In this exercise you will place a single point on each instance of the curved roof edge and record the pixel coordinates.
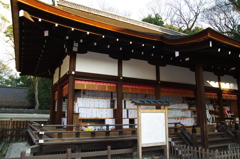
(118, 17)
(207, 33)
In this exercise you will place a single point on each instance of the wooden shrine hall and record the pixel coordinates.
(86, 51)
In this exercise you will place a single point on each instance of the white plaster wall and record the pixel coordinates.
(139, 69)
(210, 80)
(65, 65)
(229, 81)
(176, 74)
(96, 63)
(56, 75)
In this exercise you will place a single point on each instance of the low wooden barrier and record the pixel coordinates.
(107, 153)
(14, 134)
(14, 130)
(187, 152)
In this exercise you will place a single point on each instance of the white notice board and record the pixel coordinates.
(153, 129)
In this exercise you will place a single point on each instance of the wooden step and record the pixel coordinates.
(216, 133)
(217, 139)
(213, 133)
(218, 145)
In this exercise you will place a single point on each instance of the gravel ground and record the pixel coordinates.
(15, 149)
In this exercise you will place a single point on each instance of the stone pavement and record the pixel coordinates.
(15, 149)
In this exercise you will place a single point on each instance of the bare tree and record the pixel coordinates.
(35, 81)
(184, 14)
(224, 17)
(160, 7)
(3, 17)
(187, 13)
(106, 7)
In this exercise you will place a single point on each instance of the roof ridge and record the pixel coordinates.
(118, 17)
(13, 87)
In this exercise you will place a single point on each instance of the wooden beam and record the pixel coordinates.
(58, 119)
(238, 95)
(16, 33)
(201, 105)
(71, 90)
(188, 47)
(157, 87)
(220, 100)
(119, 96)
(52, 106)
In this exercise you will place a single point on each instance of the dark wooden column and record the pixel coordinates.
(58, 119)
(157, 87)
(238, 95)
(119, 95)
(220, 100)
(201, 104)
(52, 108)
(71, 90)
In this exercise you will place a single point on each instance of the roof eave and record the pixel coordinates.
(15, 23)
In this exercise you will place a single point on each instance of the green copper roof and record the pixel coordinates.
(151, 102)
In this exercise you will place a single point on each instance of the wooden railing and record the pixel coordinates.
(52, 134)
(184, 134)
(230, 128)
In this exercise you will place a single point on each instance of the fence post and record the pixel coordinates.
(2, 135)
(175, 128)
(77, 134)
(134, 154)
(216, 155)
(237, 134)
(23, 154)
(78, 150)
(109, 152)
(69, 153)
(107, 130)
(194, 136)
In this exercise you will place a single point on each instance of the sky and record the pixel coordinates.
(134, 7)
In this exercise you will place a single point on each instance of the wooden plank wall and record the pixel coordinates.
(14, 130)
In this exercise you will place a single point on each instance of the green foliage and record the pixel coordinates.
(235, 3)
(6, 75)
(171, 27)
(44, 93)
(4, 5)
(9, 79)
(3, 19)
(193, 31)
(156, 19)
(9, 33)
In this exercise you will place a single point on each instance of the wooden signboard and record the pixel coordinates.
(152, 129)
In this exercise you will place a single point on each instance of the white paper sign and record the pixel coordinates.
(153, 128)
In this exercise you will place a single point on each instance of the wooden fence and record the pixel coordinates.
(187, 152)
(14, 130)
(69, 155)
(14, 134)
(176, 152)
